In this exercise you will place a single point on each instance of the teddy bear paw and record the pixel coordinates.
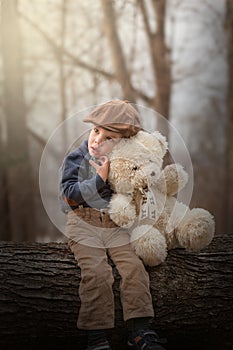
(121, 210)
(196, 231)
(149, 244)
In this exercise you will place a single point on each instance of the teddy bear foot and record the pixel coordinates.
(121, 210)
(149, 244)
(196, 230)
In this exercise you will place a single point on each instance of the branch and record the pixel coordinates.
(142, 6)
(58, 50)
(42, 141)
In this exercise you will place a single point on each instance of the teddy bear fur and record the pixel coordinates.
(144, 200)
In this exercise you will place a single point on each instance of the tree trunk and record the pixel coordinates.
(39, 303)
(119, 62)
(229, 168)
(160, 59)
(16, 168)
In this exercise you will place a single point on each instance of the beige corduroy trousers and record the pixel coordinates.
(93, 238)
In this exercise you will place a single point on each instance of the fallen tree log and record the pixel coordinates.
(39, 302)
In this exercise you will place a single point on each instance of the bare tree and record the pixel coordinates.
(158, 49)
(229, 159)
(159, 53)
(95, 63)
(62, 72)
(160, 57)
(16, 178)
(118, 59)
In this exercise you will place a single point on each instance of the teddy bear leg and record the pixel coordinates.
(149, 244)
(196, 230)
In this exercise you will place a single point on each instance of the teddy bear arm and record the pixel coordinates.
(173, 178)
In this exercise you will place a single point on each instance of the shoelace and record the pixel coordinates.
(146, 338)
(100, 346)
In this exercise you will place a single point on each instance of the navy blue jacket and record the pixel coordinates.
(80, 184)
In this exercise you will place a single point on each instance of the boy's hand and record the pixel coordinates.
(101, 166)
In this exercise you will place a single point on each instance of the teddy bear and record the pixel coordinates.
(144, 200)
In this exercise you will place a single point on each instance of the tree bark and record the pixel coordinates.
(39, 302)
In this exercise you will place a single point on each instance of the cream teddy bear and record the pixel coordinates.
(144, 202)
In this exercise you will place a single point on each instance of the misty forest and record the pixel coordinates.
(172, 59)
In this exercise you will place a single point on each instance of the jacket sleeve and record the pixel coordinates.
(75, 185)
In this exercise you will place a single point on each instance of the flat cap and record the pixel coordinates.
(117, 116)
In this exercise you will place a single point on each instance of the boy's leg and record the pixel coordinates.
(135, 286)
(136, 299)
(95, 290)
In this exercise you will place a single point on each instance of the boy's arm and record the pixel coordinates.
(74, 182)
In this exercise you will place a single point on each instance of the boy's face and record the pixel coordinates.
(102, 141)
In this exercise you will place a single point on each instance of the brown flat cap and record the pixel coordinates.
(118, 116)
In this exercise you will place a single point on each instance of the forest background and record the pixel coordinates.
(60, 57)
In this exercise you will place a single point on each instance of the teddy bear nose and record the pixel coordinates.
(152, 173)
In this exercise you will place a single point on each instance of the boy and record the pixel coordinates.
(93, 237)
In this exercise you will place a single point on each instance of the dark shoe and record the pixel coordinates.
(101, 346)
(145, 340)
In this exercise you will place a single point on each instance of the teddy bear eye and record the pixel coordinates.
(134, 167)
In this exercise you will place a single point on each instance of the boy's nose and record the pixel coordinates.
(98, 140)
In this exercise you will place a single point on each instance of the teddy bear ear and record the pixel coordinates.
(155, 142)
